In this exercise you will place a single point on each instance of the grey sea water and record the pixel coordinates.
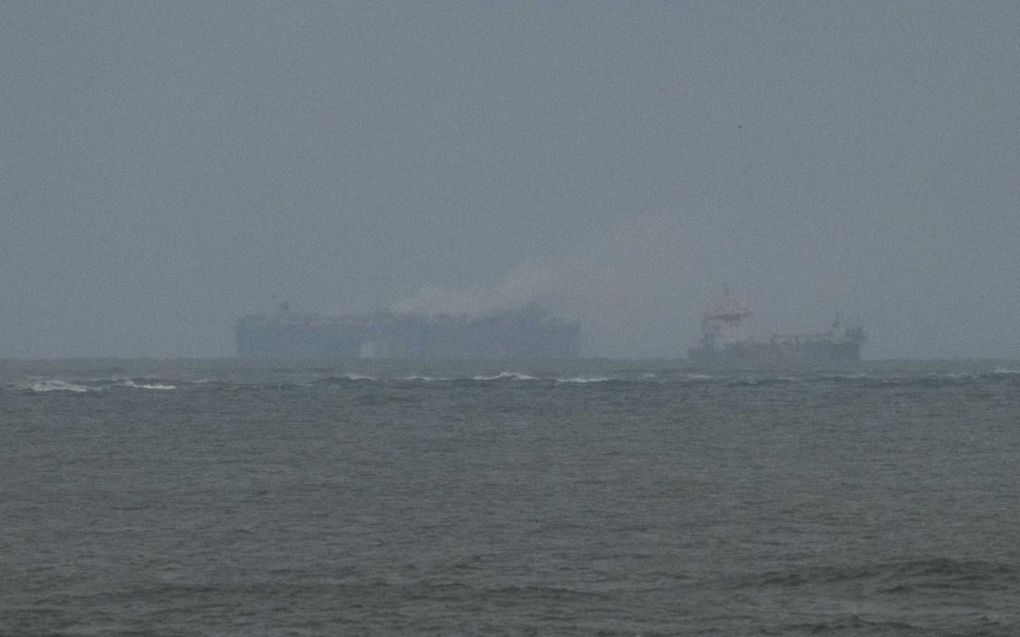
(192, 498)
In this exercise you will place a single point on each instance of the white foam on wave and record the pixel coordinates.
(505, 376)
(584, 379)
(348, 377)
(1002, 371)
(426, 379)
(133, 385)
(53, 384)
(952, 376)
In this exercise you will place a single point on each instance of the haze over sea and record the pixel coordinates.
(588, 497)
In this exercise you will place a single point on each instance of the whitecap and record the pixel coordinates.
(854, 376)
(582, 379)
(1002, 371)
(132, 384)
(951, 375)
(53, 384)
(505, 376)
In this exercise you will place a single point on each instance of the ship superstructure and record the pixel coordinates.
(726, 323)
(527, 332)
(726, 337)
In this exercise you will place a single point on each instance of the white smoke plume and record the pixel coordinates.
(626, 287)
(543, 284)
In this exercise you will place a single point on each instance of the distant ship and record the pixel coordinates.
(527, 332)
(726, 338)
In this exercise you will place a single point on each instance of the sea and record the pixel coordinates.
(584, 497)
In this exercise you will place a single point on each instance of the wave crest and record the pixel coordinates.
(505, 376)
(53, 384)
(162, 386)
(582, 380)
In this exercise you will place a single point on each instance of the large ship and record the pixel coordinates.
(726, 338)
(527, 332)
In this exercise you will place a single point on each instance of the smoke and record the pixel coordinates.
(537, 283)
(625, 286)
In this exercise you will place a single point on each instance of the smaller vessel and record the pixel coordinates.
(726, 338)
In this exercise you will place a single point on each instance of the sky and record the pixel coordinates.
(167, 167)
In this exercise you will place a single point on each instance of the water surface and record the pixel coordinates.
(589, 497)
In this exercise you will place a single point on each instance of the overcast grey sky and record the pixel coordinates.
(166, 167)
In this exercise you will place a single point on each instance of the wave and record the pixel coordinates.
(208, 382)
(876, 378)
(581, 380)
(53, 384)
(505, 376)
(849, 622)
(345, 378)
(43, 385)
(133, 385)
(855, 376)
(897, 575)
(1002, 371)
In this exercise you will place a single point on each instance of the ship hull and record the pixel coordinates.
(525, 333)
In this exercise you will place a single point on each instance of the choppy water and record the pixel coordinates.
(586, 498)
